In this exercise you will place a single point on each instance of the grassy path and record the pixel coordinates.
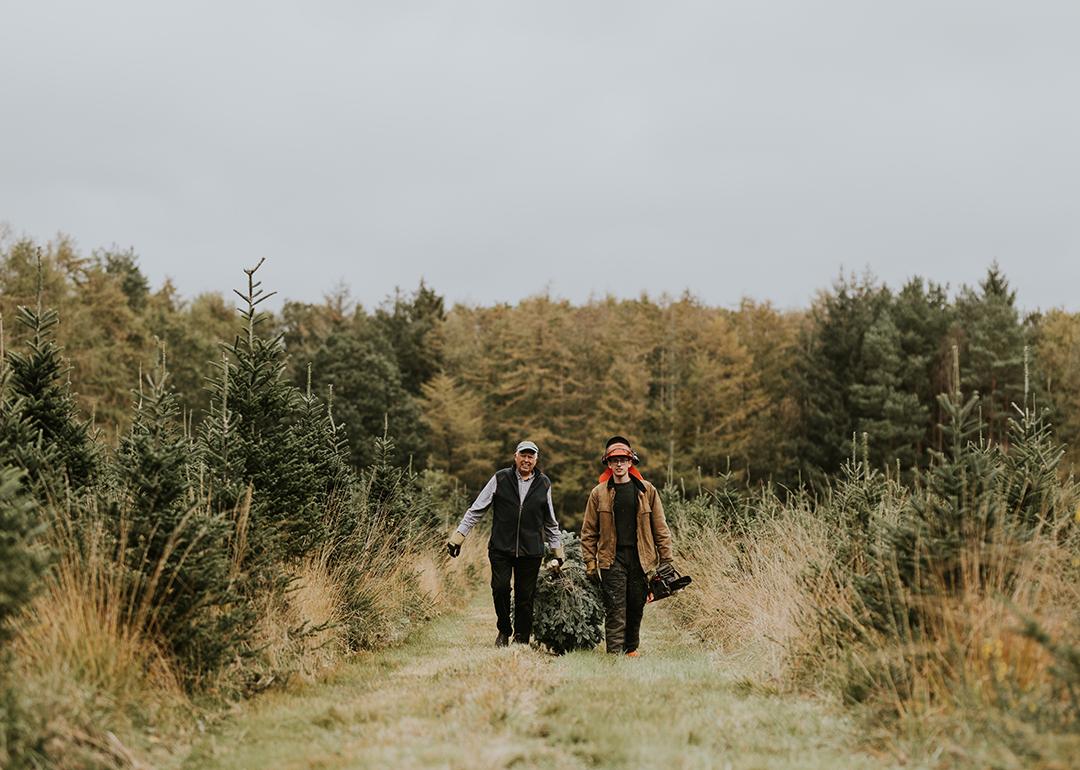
(449, 699)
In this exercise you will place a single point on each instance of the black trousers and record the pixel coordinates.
(524, 570)
(624, 590)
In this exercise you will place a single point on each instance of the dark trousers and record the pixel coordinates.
(524, 570)
(624, 591)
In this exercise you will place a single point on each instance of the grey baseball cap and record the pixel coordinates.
(527, 445)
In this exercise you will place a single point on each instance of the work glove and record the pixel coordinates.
(594, 577)
(453, 545)
(558, 556)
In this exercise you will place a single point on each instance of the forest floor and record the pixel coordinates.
(449, 698)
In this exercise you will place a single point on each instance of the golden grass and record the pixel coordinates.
(749, 597)
(89, 678)
(968, 686)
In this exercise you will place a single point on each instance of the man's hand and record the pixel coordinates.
(453, 545)
(593, 576)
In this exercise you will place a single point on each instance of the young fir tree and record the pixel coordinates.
(176, 548)
(956, 505)
(568, 613)
(249, 444)
(324, 448)
(1030, 467)
(64, 454)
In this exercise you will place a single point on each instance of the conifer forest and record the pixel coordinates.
(208, 502)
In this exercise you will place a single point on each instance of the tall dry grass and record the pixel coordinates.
(970, 683)
(750, 597)
(97, 689)
(89, 679)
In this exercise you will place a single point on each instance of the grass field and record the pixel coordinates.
(450, 699)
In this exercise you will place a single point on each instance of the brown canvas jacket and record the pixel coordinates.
(598, 529)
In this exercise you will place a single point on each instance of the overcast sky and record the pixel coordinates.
(498, 149)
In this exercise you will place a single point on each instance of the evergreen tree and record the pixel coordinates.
(66, 455)
(923, 316)
(368, 394)
(176, 549)
(830, 361)
(413, 326)
(1030, 467)
(324, 448)
(249, 443)
(992, 347)
(125, 267)
(956, 506)
(21, 561)
(893, 418)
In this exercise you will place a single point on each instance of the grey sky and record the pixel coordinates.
(500, 148)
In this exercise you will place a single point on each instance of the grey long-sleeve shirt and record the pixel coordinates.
(483, 501)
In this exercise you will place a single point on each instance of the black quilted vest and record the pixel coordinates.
(517, 526)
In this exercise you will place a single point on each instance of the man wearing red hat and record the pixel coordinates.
(624, 538)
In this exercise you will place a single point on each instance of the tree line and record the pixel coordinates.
(758, 393)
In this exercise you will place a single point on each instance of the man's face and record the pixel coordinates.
(620, 468)
(526, 461)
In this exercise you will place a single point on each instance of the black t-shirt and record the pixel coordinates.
(626, 504)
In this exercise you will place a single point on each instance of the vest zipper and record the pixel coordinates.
(517, 541)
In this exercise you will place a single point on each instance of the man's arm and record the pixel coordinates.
(661, 533)
(475, 512)
(590, 533)
(551, 526)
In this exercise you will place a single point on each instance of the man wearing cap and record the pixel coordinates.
(624, 538)
(523, 519)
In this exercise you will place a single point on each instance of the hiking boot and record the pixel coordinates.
(632, 654)
(502, 640)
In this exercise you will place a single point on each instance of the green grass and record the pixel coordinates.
(450, 699)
